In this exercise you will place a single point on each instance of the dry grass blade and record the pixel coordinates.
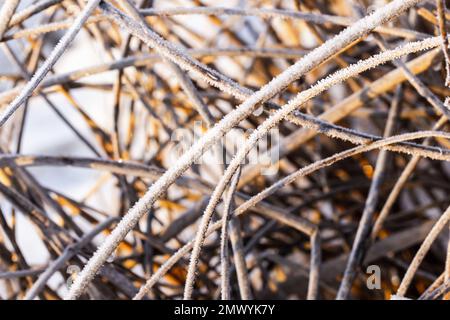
(202, 150)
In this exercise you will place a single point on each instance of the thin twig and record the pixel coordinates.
(51, 60)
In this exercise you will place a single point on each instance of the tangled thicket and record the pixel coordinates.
(354, 91)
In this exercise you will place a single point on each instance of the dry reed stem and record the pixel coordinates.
(144, 204)
(308, 71)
